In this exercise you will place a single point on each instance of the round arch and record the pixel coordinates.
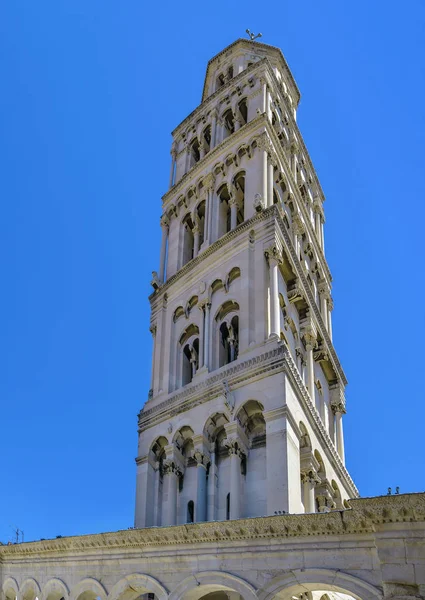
(88, 589)
(298, 581)
(200, 584)
(54, 590)
(10, 588)
(132, 586)
(30, 589)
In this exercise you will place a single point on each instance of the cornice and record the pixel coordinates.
(366, 516)
(193, 394)
(223, 241)
(212, 155)
(252, 44)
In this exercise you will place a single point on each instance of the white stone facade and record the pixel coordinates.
(244, 417)
(242, 492)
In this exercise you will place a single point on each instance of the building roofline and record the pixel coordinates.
(253, 45)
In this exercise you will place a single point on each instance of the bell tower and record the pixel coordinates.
(244, 415)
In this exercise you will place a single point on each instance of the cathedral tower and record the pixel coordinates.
(244, 415)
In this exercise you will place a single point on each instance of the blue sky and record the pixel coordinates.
(90, 91)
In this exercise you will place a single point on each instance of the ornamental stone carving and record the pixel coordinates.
(202, 459)
(170, 467)
(296, 292)
(338, 407)
(273, 253)
(258, 203)
(233, 448)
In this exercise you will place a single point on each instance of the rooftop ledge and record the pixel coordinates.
(366, 515)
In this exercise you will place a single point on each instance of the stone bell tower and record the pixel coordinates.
(244, 415)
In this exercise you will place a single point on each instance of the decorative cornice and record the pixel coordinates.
(366, 516)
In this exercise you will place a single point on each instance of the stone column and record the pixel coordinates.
(202, 461)
(310, 479)
(195, 232)
(207, 335)
(233, 212)
(165, 229)
(152, 329)
(211, 487)
(270, 181)
(213, 128)
(324, 296)
(237, 123)
(330, 309)
(310, 344)
(235, 478)
(274, 258)
(338, 410)
(294, 160)
(202, 338)
(144, 493)
(322, 229)
(173, 163)
(172, 473)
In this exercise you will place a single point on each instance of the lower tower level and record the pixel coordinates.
(244, 416)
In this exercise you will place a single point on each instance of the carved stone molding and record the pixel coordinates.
(201, 458)
(171, 467)
(338, 407)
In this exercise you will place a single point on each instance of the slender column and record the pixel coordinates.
(195, 232)
(323, 234)
(310, 479)
(164, 239)
(202, 461)
(173, 163)
(264, 97)
(233, 212)
(274, 259)
(235, 478)
(207, 335)
(339, 410)
(310, 340)
(237, 123)
(211, 488)
(270, 177)
(152, 329)
(171, 476)
(201, 150)
(202, 340)
(213, 128)
(330, 309)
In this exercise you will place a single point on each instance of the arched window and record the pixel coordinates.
(190, 512)
(228, 507)
(194, 153)
(243, 111)
(227, 339)
(229, 123)
(206, 139)
(188, 239)
(219, 81)
(190, 361)
(239, 191)
(224, 210)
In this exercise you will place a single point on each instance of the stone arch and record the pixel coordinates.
(300, 581)
(30, 589)
(198, 585)
(136, 584)
(10, 588)
(88, 589)
(55, 589)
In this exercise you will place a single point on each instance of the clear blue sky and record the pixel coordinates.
(90, 91)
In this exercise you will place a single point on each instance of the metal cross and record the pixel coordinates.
(253, 36)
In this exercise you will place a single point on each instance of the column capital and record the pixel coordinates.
(310, 338)
(209, 182)
(310, 476)
(338, 407)
(202, 459)
(164, 221)
(233, 448)
(273, 253)
(171, 467)
(263, 142)
(153, 329)
(298, 225)
(296, 292)
(321, 354)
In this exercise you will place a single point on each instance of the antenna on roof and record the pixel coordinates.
(253, 36)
